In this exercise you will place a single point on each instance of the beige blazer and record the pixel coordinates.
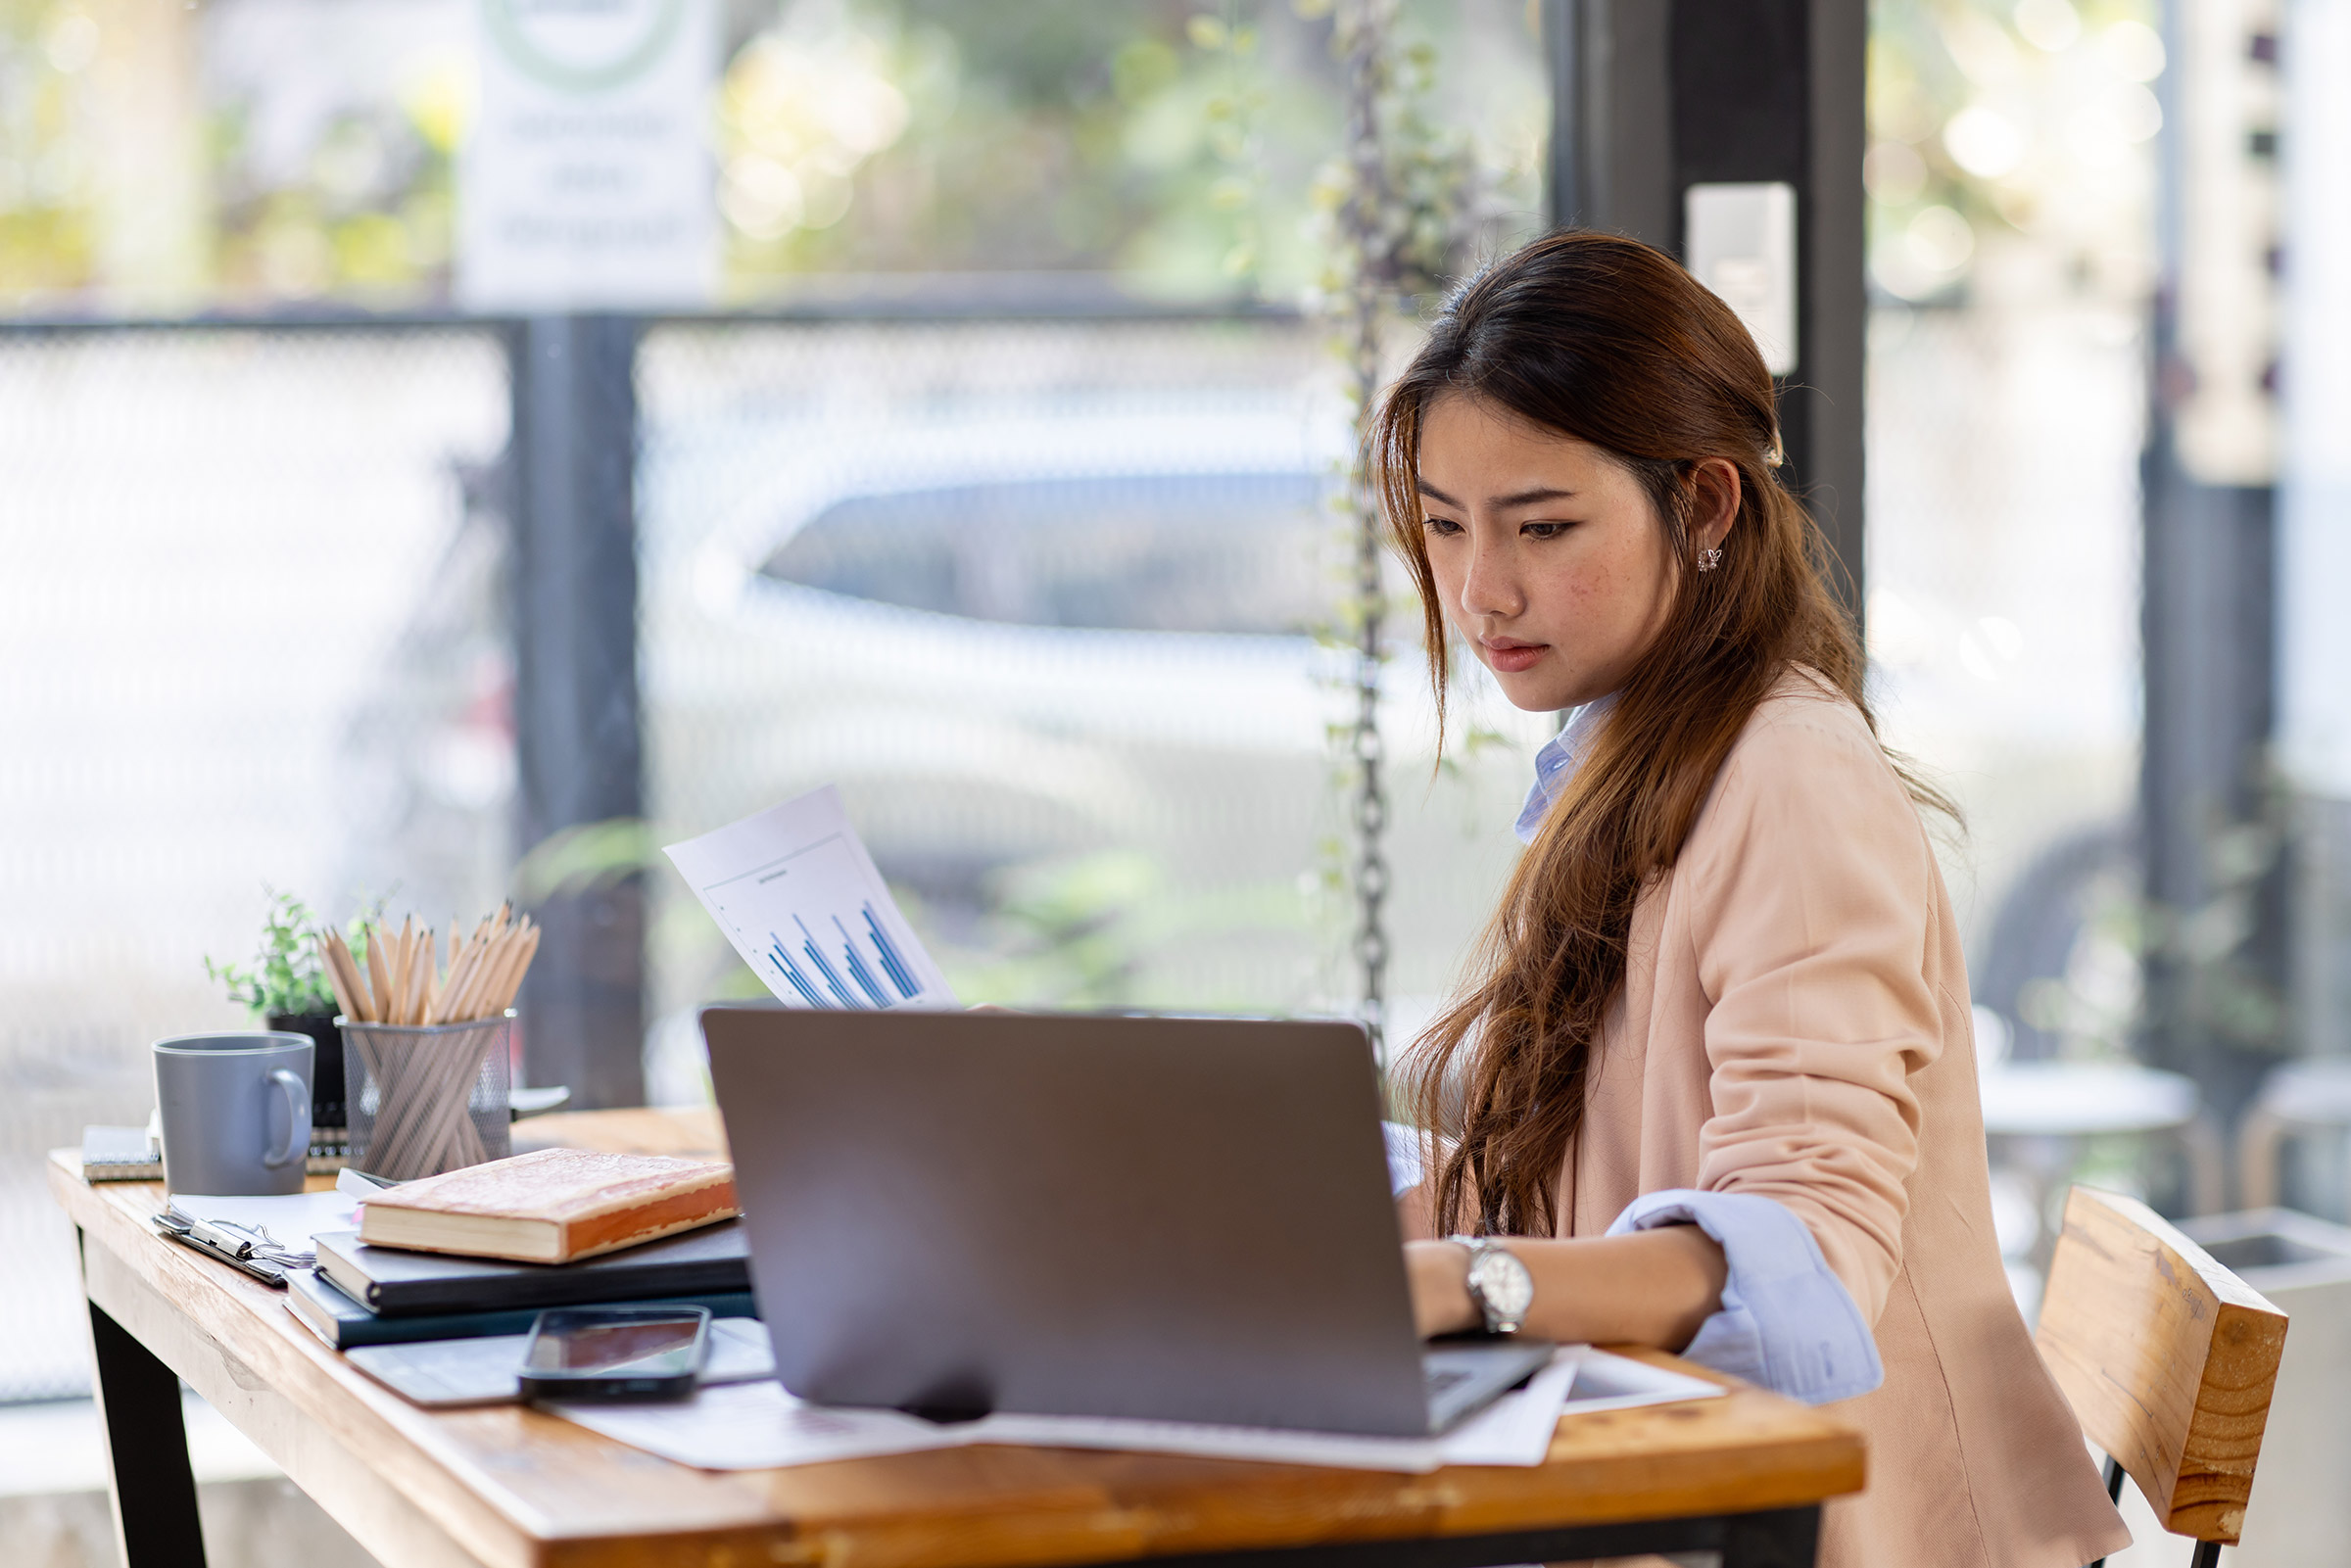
(1794, 1022)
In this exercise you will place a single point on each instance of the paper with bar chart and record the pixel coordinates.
(796, 892)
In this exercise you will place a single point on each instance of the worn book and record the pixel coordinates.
(554, 1205)
(393, 1282)
(345, 1324)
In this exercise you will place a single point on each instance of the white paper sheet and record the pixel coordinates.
(797, 893)
(1605, 1382)
(441, 1374)
(1516, 1428)
(757, 1426)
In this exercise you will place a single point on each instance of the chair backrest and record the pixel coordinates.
(2168, 1358)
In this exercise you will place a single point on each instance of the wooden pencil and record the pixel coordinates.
(422, 1083)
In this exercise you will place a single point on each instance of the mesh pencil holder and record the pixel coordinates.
(427, 1098)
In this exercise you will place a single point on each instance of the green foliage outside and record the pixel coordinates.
(1174, 146)
(1078, 931)
(48, 230)
(131, 176)
(1177, 146)
(372, 221)
(1994, 119)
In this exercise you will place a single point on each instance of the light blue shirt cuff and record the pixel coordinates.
(1403, 1157)
(1786, 1322)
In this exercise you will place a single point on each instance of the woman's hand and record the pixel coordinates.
(1439, 1271)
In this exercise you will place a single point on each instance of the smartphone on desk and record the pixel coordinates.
(615, 1353)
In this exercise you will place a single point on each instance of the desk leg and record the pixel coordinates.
(1788, 1537)
(147, 1450)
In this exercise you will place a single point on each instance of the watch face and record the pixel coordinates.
(1505, 1283)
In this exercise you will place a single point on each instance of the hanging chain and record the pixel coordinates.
(1366, 743)
(1370, 799)
(1364, 38)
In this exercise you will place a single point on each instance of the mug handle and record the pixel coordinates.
(298, 1118)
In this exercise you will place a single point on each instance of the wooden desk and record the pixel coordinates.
(510, 1488)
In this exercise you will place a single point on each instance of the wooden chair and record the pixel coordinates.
(2168, 1358)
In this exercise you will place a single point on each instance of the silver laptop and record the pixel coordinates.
(1165, 1218)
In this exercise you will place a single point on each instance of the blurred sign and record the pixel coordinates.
(1740, 242)
(588, 182)
(2226, 93)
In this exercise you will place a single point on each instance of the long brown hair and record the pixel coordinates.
(1609, 342)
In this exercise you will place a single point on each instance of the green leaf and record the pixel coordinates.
(1207, 32)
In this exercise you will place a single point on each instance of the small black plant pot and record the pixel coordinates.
(327, 1069)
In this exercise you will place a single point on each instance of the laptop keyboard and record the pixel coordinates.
(1441, 1378)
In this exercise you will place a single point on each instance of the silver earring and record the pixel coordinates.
(1708, 559)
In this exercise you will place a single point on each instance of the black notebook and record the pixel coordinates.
(393, 1282)
(344, 1324)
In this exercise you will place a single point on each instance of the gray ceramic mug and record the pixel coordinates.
(236, 1111)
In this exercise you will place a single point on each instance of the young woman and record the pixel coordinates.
(1711, 1085)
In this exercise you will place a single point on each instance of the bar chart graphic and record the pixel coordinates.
(819, 982)
(796, 892)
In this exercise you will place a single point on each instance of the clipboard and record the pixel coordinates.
(188, 1235)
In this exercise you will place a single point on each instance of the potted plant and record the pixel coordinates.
(288, 989)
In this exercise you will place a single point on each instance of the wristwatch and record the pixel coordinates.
(1499, 1283)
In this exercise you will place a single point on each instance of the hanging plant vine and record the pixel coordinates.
(1398, 207)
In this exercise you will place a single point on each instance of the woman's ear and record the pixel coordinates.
(1714, 484)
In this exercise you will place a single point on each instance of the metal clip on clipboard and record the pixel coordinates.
(227, 1245)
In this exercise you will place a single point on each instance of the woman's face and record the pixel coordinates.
(1550, 558)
